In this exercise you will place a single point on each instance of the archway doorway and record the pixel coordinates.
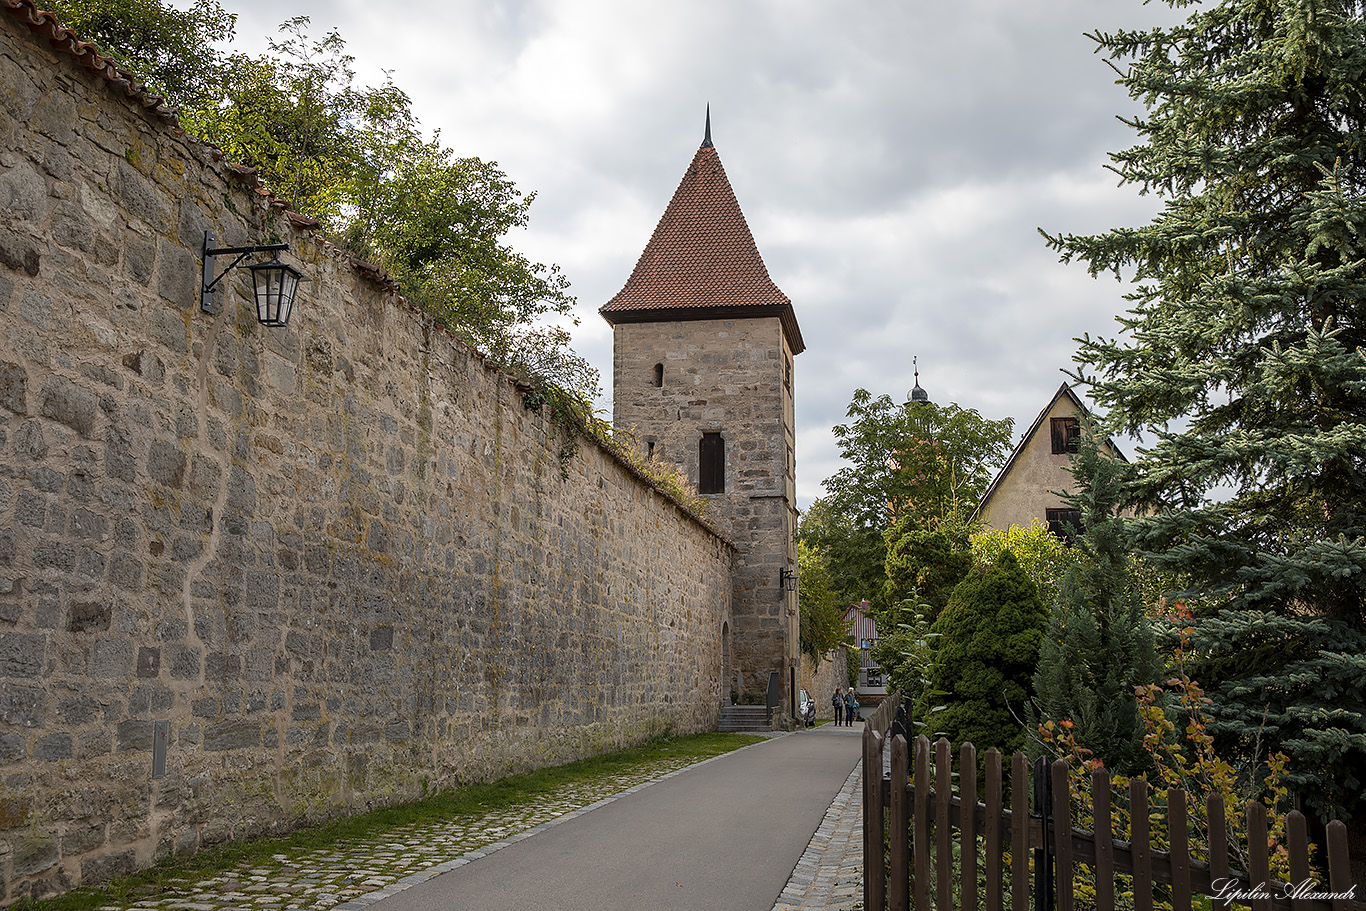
(727, 684)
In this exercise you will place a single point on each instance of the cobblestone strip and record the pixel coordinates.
(829, 875)
(356, 874)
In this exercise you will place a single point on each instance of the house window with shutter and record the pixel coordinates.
(1066, 434)
(711, 464)
(1065, 523)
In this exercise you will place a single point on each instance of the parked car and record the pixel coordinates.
(806, 707)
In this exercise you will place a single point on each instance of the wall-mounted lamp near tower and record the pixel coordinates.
(787, 579)
(275, 282)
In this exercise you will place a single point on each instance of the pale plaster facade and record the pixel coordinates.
(1034, 477)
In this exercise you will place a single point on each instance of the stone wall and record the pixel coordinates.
(821, 680)
(341, 560)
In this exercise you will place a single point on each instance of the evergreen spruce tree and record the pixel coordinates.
(987, 648)
(1241, 357)
(1099, 644)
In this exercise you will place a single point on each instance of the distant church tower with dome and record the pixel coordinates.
(703, 348)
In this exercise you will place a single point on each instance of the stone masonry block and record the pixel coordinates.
(166, 464)
(118, 455)
(12, 748)
(136, 193)
(23, 706)
(14, 388)
(78, 710)
(134, 736)
(178, 277)
(34, 850)
(54, 747)
(112, 659)
(186, 662)
(149, 661)
(89, 616)
(23, 192)
(68, 403)
(232, 735)
(21, 654)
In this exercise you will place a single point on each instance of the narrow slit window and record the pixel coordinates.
(711, 464)
(650, 449)
(659, 374)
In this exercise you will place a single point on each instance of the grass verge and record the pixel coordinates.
(465, 801)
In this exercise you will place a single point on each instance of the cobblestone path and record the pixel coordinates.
(356, 873)
(829, 876)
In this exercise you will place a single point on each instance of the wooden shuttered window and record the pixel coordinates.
(1066, 434)
(1065, 523)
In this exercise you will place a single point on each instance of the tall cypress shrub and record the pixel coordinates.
(1100, 642)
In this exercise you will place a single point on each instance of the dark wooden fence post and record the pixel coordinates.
(1019, 832)
(874, 872)
(1043, 854)
(943, 830)
(1045, 835)
(992, 835)
(898, 889)
(921, 812)
(967, 826)
(1060, 806)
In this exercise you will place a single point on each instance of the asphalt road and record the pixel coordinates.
(722, 835)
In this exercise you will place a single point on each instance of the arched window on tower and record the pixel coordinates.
(711, 464)
(659, 374)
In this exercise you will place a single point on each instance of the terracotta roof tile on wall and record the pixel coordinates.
(64, 40)
(701, 262)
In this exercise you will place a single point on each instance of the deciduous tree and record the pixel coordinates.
(822, 629)
(923, 461)
(175, 52)
(353, 156)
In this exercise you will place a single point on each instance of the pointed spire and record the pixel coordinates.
(701, 261)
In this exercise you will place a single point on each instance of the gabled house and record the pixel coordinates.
(863, 629)
(1028, 486)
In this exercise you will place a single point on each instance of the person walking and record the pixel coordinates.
(837, 703)
(850, 706)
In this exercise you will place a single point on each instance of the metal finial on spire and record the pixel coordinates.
(706, 140)
(918, 395)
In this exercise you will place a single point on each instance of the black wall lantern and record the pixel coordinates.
(787, 579)
(275, 282)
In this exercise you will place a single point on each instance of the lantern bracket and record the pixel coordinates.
(208, 282)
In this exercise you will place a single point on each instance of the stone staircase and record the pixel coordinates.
(743, 718)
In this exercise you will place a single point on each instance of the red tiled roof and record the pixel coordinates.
(701, 261)
(64, 41)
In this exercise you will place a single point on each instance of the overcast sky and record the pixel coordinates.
(894, 159)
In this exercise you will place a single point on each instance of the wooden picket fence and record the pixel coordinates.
(921, 822)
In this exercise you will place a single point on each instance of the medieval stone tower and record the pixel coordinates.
(703, 378)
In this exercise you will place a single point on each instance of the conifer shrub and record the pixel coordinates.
(1099, 646)
(988, 638)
